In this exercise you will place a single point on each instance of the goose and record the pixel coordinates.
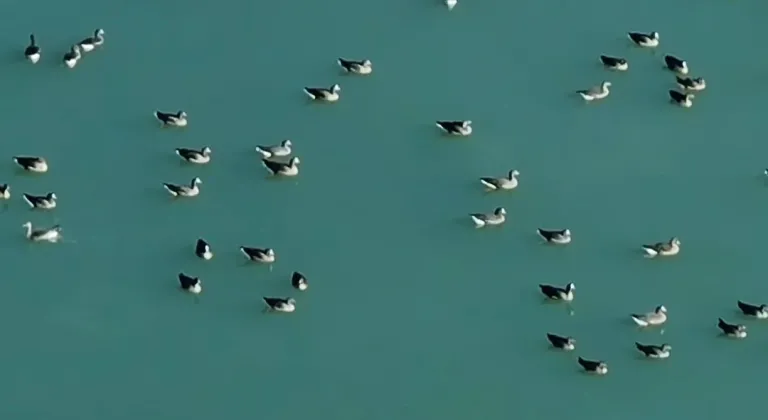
(203, 250)
(757, 311)
(644, 40)
(558, 293)
(694, 84)
(282, 149)
(597, 92)
(324, 94)
(285, 169)
(72, 57)
(675, 64)
(657, 317)
(498, 217)
(298, 281)
(509, 182)
(456, 128)
(665, 249)
(560, 237)
(42, 202)
(183, 190)
(88, 44)
(32, 52)
(195, 156)
(685, 100)
(262, 255)
(280, 304)
(614, 63)
(32, 163)
(562, 343)
(451, 4)
(594, 366)
(190, 284)
(52, 234)
(5, 191)
(357, 67)
(732, 330)
(178, 119)
(654, 351)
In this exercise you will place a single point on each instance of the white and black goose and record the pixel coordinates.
(675, 64)
(560, 237)
(203, 250)
(190, 284)
(595, 93)
(277, 150)
(650, 40)
(324, 94)
(177, 119)
(52, 234)
(757, 311)
(195, 156)
(88, 44)
(191, 190)
(32, 52)
(654, 351)
(41, 202)
(291, 168)
(597, 367)
(456, 128)
(498, 217)
(685, 100)
(558, 293)
(732, 330)
(614, 63)
(560, 342)
(299, 281)
(32, 163)
(361, 67)
(509, 182)
(691, 84)
(657, 317)
(280, 304)
(72, 57)
(262, 255)
(5, 192)
(664, 249)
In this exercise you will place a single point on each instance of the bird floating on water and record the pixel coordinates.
(664, 249)
(560, 342)
(757, 311)
(5, 191)
(650, 40)
(190, 284)
(52, 234)
(42, 202)
(456, 128)
(88, 44)
(595, 93)
(558, 293)
(195, 156)
(282, 149)
(32, 52)
(694, 84)
(299, 281)
(509, 182)
(657, 317)
(32, 163)
(653, 351)
(178, 119)
(560, 237)
(361, 67)
(323, 94)
(280, 304)
(262, 255)
(72, 57)
(203, 250)
(190, 190)
(675, 64)
(685, 100)
(597, 367)
(732, 330)
(280, 168)
(498, 217)
(614, 63)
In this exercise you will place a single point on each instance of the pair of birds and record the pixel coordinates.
(649, 350)
(276, 167)
(331, 94)
(740, 330)
(499, 216)
(29, 164)
(279, 304)
(261, 255)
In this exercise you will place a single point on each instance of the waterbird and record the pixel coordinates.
(72, 57)
(451, 4)
(190, 190)
(323, 94)
(596, 92)
(675, 64)
(190, 284)
(282, 149)
(32, 52)
(560, 237)
(597, 367)
(203, 250)
(614, 63)
(757, 311)
(650, 40)
(560, 342)
(361, 67)
(177, 119)
(456, 128)
(665, 249)
(5, 191)
(32, 163)
(42, 202)
(280, 304)
(299, 281)
(509, 182)
(732, 330)
(693, 84)
(558, 293)
(88, 44)
(498, 217)
(280, 168)
(262, 255)
(195, 156)
(653, 351)
(52, 234)
(657, 317)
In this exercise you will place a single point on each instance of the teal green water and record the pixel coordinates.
(411, 313)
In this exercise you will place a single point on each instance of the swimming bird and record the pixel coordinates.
(42, 202)
(560, 237)
(614, 63)
(594, 366)
(183, 190)
(5, 191)
(72, 57)
(563, 343)
(324, 94)
(32, 163)
(685, 100)
(650, 40)
(657, 317)
(558, 293)
(178, 119)
(190, 284)
(732, 330)
(52, 234)
(203, 250)
(654, 351)
(509, 182)
(298, 281)
(262, 255)
(282, 149)
(688, 83)
(675, 64)
(32, 52)
(597, 92)
(498, 217)
(757, 311)
(285, 169)
(457, 128)
(195, 156)
(357, 67)
(451, 4)
(280, 304)
(665, 249)
(88, 44)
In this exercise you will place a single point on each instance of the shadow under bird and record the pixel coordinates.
(559, 237)
(195, 156)
(685, 100)
(203, 250)
(649, 40)
(614, 63)
(598, 367)
(33, 51)
(558, 293)
(330, 94)
(509, 182)
(32, 163)
(596, 92)
(653, 351)
(52, 234)
(691, 84)
(291, 168)
(757, 311)
(361, 67)
(278, 150)
(88, 44)
(498, 217)
(732, 330)
(176, 119)
(664, 249)
(280, 304)
(190, 284)
(560, 342)
(675, 64)
(455, 128)
(299, 281)
(191, 190)
(657, 317)
(41, 202)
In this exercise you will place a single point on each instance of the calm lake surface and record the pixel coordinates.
(411, 312)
